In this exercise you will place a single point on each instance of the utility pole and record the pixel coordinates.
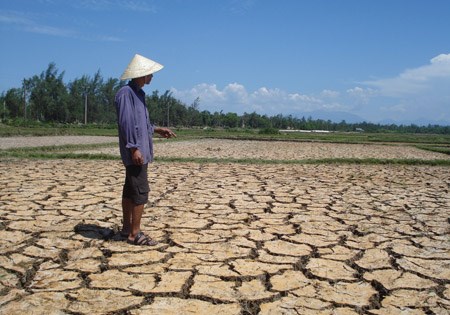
(85, 108)
(24, 83)
(168, 105)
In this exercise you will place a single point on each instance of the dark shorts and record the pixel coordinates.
(136, 185)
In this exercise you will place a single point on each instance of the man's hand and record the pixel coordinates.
(137, 157)
(165, 132)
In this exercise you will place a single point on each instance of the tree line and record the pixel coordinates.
(90, 99)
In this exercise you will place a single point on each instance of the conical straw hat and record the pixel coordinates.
(140, 66)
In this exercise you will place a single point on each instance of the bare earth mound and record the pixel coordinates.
(280, 150)
(20, 142)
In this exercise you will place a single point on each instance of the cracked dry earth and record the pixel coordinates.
(233, 239)
(278, 150)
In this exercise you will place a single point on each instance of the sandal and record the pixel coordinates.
(120, 236)
(142, 240)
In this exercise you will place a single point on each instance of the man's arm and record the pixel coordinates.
(127, 129)
(165, 132)
(126, 120)
(136, 156)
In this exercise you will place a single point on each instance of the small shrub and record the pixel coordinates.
(269, 131)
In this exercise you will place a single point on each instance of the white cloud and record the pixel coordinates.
(49, 30)
(234, 97)
(26, 24)
(102, 5)
(441, 58)
(361, 95)
(21, 22)
(11, 18)
(206, 92)
(420, 93)
(237, 92)
(107, 38)
(414, 81)
(330, 94)
(399, 108)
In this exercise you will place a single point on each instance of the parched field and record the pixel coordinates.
(234, 238)
(279, 150)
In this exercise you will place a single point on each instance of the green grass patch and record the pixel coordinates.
(87, 156)
(58, 156)
(57, 130)
(334, 137)
(59, 152)
(67, 147)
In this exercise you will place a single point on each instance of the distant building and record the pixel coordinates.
(303, 131)
(359, 130)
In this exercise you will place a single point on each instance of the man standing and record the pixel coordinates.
(136, 145)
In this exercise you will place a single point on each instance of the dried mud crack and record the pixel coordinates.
(233, 239)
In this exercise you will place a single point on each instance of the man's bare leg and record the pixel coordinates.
(136, 215)
(127, 208)
(132, 214)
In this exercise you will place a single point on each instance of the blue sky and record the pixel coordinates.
(381, 60)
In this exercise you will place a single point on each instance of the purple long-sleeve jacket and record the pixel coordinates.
(135, 129)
